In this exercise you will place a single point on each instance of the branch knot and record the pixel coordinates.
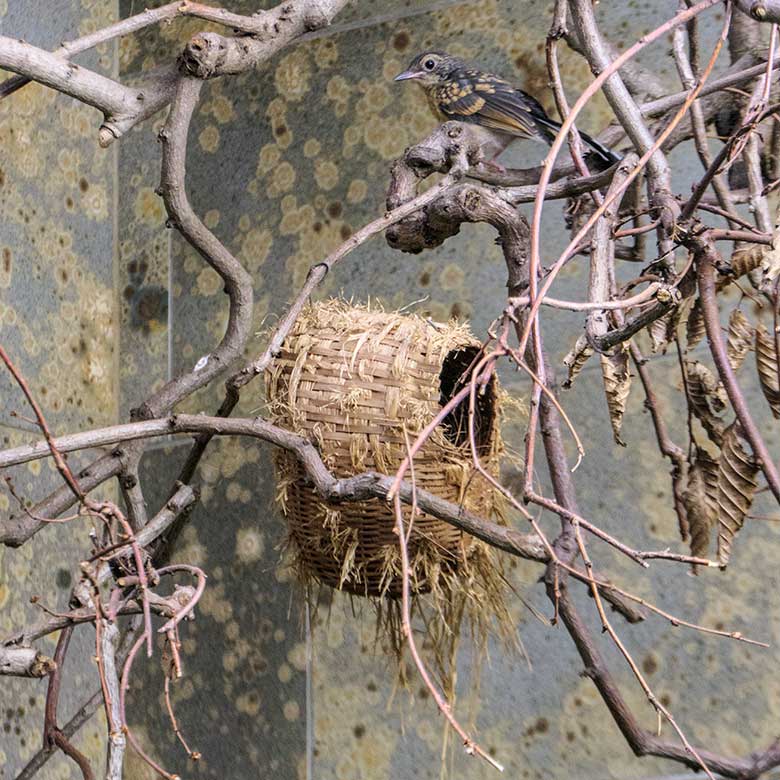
(204, 55)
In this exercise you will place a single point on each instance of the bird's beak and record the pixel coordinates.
(408, 74)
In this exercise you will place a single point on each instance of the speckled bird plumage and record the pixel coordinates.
(458, 91)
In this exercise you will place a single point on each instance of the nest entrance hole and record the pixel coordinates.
(456, 374)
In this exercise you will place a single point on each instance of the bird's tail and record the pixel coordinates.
(601, 152)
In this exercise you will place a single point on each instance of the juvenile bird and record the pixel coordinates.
(459, 91)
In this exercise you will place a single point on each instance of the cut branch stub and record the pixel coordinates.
(737, 485)
(766, 364)
(25, 662)
(204, 55)
(761, 10)
(210, 54)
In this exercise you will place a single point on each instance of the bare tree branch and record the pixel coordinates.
(760, 10)
(24, 662)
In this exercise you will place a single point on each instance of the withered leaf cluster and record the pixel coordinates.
(716, 479)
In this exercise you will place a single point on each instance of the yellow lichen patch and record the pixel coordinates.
(481, 16)
(208, 282)
(337, 91)
(233, 492)
(296, 656)
(255, 248)
(211, 218)
(326, 174)
(357, 191)
(315, 239)
(387, 140)
(149, 207)
(214, 603)
(81, 373)
(280, 127)
(325, 52)
(295, 218)
(375, 98)
(190, 547)
(293, 74)
(77, 120)
(128, 51)
(356, 754)
(268, 159)
(312, 147)
(249, 703)
(70, 164)
(451, 277)
(391, 67)
(284, 672)
(250, 545)
(208, 138)
(95, 202)
(282, 180)
(291, 710)
(19, 129)
(222, 108)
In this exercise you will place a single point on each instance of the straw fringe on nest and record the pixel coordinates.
(361, 383)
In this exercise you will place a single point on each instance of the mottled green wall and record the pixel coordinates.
(284, 163)
(59, 322)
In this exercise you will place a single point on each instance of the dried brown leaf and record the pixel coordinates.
(662, 331)
(576, 359)
(737, 485)
(700, 500)
(617, 385)
(743, 261)
(770, 266)
(707, 398)
(740, 340)
(766, 363)
(694, 327)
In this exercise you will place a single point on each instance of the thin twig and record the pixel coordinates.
(470, 746)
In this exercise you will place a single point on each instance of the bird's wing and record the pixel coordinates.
(492, 102)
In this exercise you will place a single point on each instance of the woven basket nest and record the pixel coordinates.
(356, 380)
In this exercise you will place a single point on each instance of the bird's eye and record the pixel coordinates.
(429, 64)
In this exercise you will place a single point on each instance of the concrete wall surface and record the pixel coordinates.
(100, 303)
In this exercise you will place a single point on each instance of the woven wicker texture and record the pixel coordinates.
(352, 379)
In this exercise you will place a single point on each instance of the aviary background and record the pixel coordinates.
(99, 303)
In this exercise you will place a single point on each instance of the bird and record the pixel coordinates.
(457, 90)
